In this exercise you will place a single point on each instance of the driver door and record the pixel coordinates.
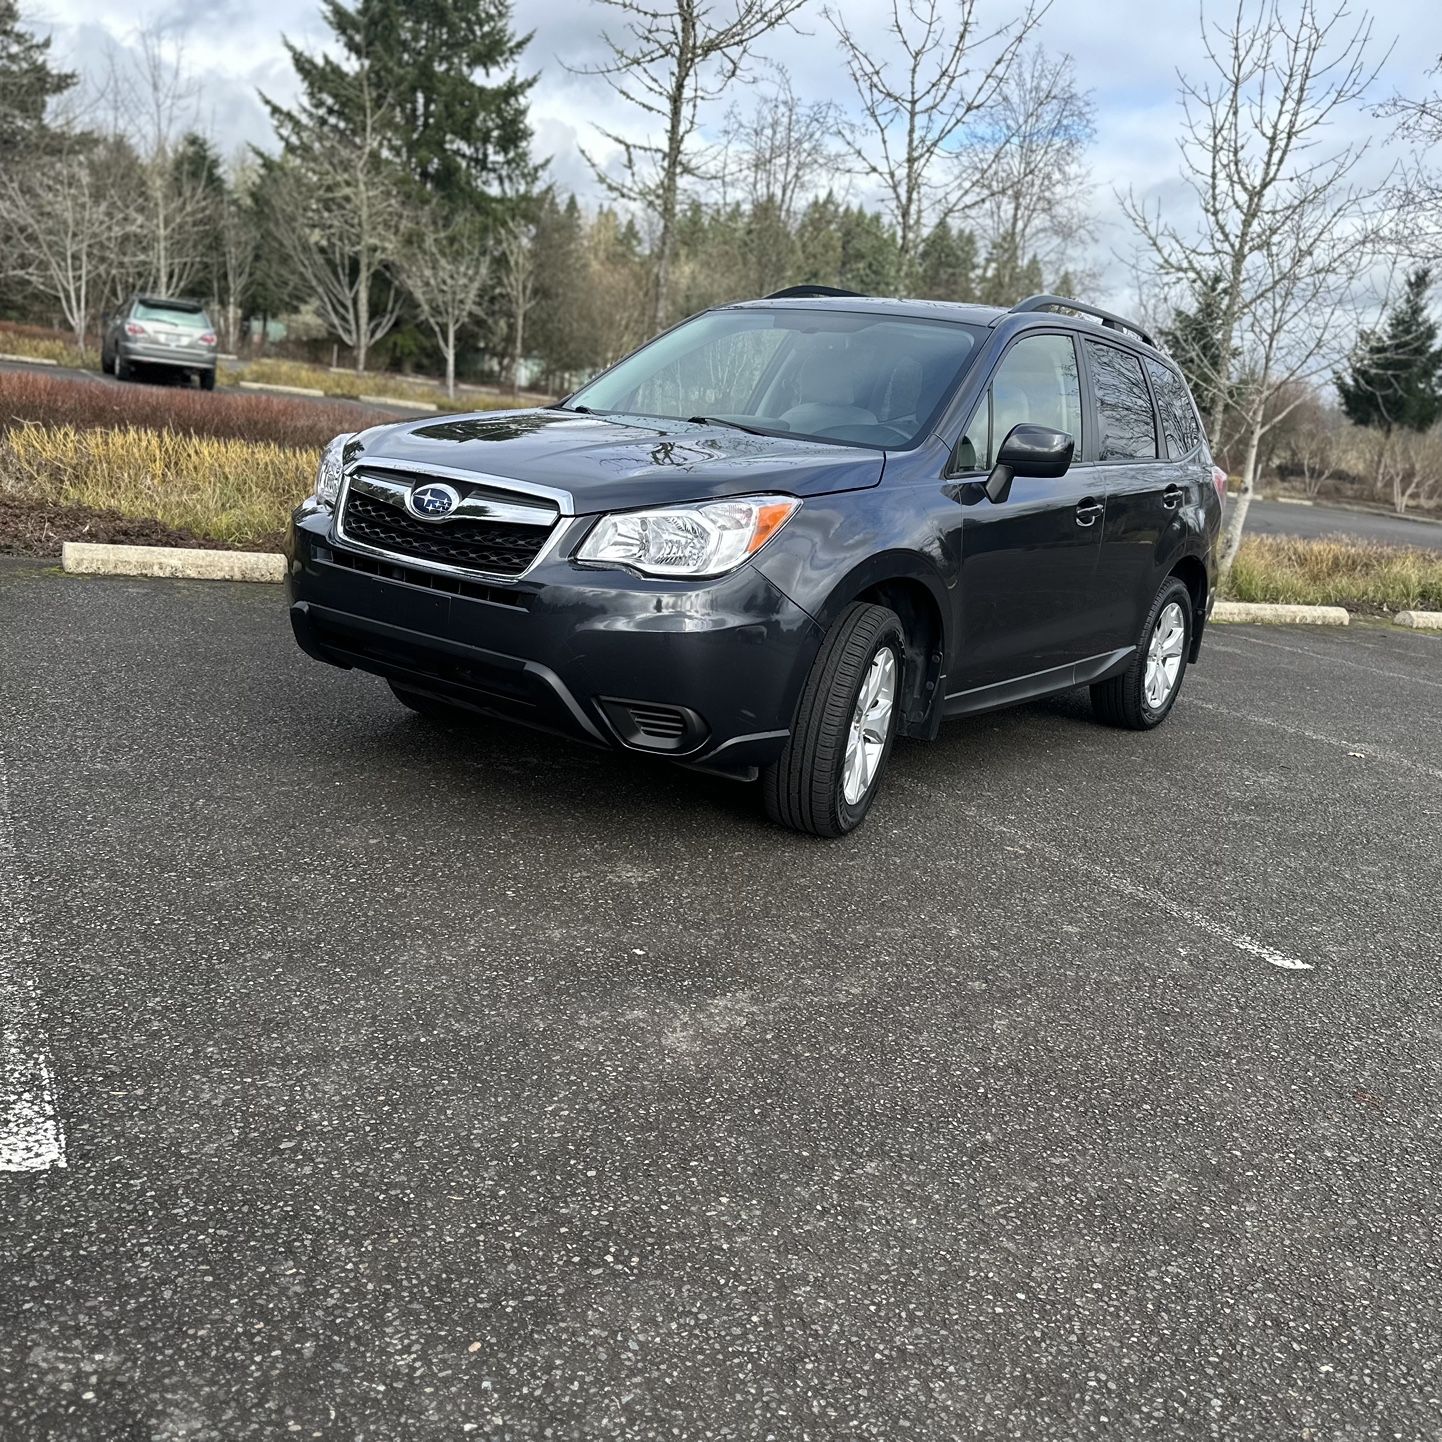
(1028, 590)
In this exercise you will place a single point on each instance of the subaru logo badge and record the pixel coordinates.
(433, 501)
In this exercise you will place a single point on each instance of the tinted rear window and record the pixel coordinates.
(1128, 427)
(1180, 426)
(172, 315)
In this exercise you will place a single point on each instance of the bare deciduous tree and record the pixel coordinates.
(445, 265)
(236, 246)
(1420, 192)
(63, 222)
(338, 212)
(1033, 156)
(518, 279)
(674, 57)
(1284, 231)
(154, 101)
(946, 68)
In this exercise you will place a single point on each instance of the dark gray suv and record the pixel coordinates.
(151, 330)
(782, 535)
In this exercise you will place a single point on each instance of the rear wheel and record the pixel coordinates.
(123, 369)
(1144, 693)
(831, 769)
(107, 363)
(207, 380)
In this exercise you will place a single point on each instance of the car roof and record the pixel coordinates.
(908, 309)
(967, 312)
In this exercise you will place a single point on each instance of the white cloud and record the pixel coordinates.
(1127, 53)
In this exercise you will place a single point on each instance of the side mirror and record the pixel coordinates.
(1029, 451)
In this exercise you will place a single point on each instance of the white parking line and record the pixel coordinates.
(1364, 749)
(1331, 657)
(31, 1138)
(1133, 890)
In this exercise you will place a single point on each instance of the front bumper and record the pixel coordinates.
(706, 672)
(191, 358)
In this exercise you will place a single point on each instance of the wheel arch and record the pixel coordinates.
(1192, 573)
(905, 584)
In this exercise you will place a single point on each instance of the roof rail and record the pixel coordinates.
(1060, 302)
(800, 292)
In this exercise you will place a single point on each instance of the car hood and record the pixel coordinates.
(615, 462)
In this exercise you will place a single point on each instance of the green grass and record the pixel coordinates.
(1363, 576)
(48, 348)
(236, 491)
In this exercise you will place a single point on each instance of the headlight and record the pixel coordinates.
(327, 476)
(701, 540)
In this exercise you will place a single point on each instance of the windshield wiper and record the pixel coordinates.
(723, 421)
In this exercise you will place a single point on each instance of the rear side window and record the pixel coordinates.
(1180, 426)
(1037, 383)
(1128, 427)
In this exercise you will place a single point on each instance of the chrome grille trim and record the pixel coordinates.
(558, 516)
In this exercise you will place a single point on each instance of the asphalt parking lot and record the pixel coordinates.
(422, 1084)
(1289, 518)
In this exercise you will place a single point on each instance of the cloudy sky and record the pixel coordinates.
(1126, 52)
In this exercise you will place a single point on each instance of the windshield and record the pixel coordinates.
(863, 379)
(172, 315)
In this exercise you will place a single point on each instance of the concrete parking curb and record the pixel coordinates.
(1419, 620)
(27, 360)
(281, 390)
(399, 403)
(1276, 614)
(89, 558)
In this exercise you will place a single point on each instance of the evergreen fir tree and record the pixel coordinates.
(947, 264)
(1394, 381)
(1197, 344)
(28, 82)
(444, 74)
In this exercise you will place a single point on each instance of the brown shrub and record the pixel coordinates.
(28, 398)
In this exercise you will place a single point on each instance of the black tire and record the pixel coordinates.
(428, 706)
(804, 789)
(207, 380)
(107, 365)
(1122, 700)
(123, 369)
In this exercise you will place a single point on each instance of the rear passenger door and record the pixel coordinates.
(1141, 495)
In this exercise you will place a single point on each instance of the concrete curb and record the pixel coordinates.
(1419, 620)
(281, 390)
(88, 558)
(397, 402)
(27, 360)
(1276, 614)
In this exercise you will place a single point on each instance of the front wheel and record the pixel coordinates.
(831, 768)
(1144, 693)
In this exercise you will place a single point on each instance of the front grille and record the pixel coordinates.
(475, 545)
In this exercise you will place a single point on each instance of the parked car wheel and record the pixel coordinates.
(830, 771)
(1144, 693)
(107, 362)
(124, 371)
(207, 380)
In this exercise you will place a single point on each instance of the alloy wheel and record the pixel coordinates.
(1164, 656)
(870, 726)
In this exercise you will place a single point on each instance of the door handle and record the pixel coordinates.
(1087, 510)
(1172, 497)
